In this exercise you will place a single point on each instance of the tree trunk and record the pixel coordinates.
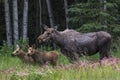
(40, 16)
(37, 17)
(50, 13)
(15, 21)
(7, 20)
(66, 13)
(103, 8)
(51, 18)
(25, 19)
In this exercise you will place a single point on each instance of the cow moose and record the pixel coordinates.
(22, 55)
(74, 44)
(42, 57)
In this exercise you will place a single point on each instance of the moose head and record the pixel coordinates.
(31, 50)
(17, 51)
(46, 35)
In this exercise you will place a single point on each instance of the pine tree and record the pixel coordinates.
(94, 15)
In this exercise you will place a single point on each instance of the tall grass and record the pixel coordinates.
(11, 68)
(98, 73)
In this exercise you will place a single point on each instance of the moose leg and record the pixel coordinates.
(102, 54)
(108, 55)
(76, 56)
(105, 51)
(54, 62)
(65, 53)
(72, 57)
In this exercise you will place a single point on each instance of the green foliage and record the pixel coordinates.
(82, 13)
(92, 27)
(8, 50)
(115, 45)
(91, 15)
(31, 76)
(6, 61)
(1, 1)
(98, 73)
(45, 48)
(23, 43)
(62, 59)
(5, 49)
(13, 69)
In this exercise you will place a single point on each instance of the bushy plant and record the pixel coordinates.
(95, 15)
(5, 49)
(9, 49)
(23, 43)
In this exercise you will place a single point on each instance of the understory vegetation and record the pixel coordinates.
(88, 68)
(81, 15)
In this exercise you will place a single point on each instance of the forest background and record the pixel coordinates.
(21, 23)
(23, 19)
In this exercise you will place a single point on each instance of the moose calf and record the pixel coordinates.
(22, 55)
(42, 58)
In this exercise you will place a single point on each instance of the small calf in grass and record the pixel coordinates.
(22, 55)
(43, 58)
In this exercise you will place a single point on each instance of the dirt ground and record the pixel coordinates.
(113, 62)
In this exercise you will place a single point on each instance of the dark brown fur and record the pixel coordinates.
(74, 44)
(43, 58)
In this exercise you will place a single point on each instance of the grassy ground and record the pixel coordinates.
(11, 68)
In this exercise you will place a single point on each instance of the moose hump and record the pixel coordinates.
(74, 44)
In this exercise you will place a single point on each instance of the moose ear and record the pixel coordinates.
(27, 46)
(17, 46)
(56, 27)
(33, 46)
(45, 27)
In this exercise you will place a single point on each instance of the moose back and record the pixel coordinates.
(74, 44)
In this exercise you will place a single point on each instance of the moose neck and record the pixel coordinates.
(58, 38)
(21, 55)
(35, 56)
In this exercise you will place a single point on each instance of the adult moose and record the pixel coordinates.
(74, 44)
